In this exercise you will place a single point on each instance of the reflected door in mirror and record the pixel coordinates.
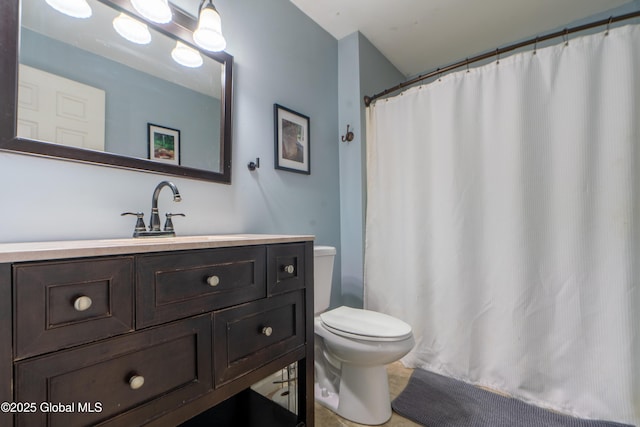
(52, 108)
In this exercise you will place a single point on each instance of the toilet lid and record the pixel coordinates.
(365, 324)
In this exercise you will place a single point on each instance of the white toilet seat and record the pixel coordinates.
(365, 325)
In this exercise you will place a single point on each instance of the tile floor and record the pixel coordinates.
(398, 378)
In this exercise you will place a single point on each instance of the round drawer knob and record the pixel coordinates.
(213, 280)
(267, 331)
(289, 269)
(136, 381)
(82, 303)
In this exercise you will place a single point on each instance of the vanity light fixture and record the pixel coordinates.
(73, 8)
(154, 10)
(132, 29)
(186, 56)
(208, 35)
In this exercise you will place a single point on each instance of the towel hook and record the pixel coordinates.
(253, 165)
(348, 137)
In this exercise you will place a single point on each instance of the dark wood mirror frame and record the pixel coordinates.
(181, 27)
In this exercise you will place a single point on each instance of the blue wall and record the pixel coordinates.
(281, 56)
(351, 178)
(363, 70)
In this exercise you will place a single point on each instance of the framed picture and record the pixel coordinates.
(292, 140)
(164, 144)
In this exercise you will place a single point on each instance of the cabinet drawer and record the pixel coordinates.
(183, 284)
(253, 334)
(51, 302)
(174, 361)
(285, 268)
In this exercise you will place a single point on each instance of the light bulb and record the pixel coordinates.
(132, 29)
(73, 8)
(208, 35)
(187, 56)
(154, 10)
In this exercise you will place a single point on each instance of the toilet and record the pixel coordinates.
(352, 347)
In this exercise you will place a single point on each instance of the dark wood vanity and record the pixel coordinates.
(160, 333)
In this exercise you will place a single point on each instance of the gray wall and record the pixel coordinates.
(281, 56)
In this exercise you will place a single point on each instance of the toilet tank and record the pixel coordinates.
(323, 257)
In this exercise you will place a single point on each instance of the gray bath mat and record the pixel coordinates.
(437, 401)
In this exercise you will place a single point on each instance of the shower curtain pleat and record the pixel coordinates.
(502, 224)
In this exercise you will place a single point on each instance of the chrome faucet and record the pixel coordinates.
(154, 225)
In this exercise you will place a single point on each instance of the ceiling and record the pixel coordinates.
(422, 35)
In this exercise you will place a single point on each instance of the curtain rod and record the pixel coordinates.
(608, 21)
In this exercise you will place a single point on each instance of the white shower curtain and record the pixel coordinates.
(503, 224)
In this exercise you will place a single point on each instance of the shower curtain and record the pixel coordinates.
(503, 223)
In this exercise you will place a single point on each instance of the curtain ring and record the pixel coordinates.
(439, 75)
(467, 62)
(535, 46)
(497, 56)
(606, 33)
(565, 37)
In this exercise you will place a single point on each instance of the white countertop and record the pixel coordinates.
(36, 251)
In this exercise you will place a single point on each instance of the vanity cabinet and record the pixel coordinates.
(48, 303)
(108, 378)
(164, 335)
(255, 333)
(179, 284)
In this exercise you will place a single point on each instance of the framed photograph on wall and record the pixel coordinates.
(164, 144)
(292, 140)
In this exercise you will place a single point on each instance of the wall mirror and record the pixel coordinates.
(83, 90)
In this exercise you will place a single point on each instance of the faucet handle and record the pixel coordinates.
(139, 223)
(168, 225)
